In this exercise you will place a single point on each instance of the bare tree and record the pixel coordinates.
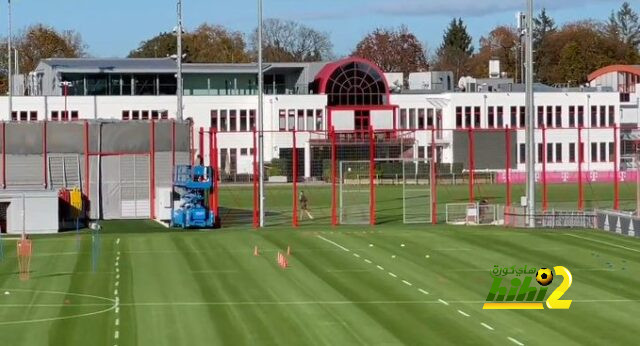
(289, 41)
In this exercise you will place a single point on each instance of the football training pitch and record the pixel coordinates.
(390, 284)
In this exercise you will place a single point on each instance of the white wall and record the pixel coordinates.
(41, 210)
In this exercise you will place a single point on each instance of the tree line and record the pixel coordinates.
(564, 55)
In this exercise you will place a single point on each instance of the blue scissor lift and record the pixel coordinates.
(192, 185)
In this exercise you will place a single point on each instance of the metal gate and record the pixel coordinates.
(134, 187)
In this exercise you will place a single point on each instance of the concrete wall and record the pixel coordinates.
(41, 212)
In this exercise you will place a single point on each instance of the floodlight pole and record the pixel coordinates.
(530, 128)
(179, 90)
(260, 116)
(9, 72)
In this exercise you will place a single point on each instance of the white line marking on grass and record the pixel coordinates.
(117, 321)
(117, 309)
(117, 283)
(443, 302)
(116, 334)
(334, 243)
(356, 255)
(392, 274)
(117, 276)
(463, 313)
(379, 267)
(603, 242)
(486, 326)
(117, 270)
(115, 292)
(366, 260)
(515, 341)
(422, 291)
(118, 241)
(407, 283)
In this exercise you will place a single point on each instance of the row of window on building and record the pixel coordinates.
(144, 115)
(300, 119)
(24, 116)
(419, 118)
(600, 152)
(547, 116)
(233, 120)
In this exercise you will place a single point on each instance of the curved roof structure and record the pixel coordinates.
(632, 69)
(353, 82)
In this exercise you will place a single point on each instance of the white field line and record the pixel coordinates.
(486, 326)
(356, 255)
(603, 242)
(116, 334)
(334, 243)
(380, 267)
(422, 291)
(463, 313)
(407, 283)
(366, 260)
(117, 321)
(443, 302)
(515, 341)
(393, 275)
(118, 241)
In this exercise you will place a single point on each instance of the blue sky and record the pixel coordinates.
(112, 28)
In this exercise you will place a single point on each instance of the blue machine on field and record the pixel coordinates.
(191, 188)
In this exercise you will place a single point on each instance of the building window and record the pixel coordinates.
(292, 119)
(24, 116)
(500, 117)
(594, 152)
(549, 157)
(612, 152)
(572, 116)
(429, 118)
(319, 124)
(467, 117)
(135, 115)
(243, 120)
(243, 151)
(125, 115)
(145, 115)
(282, 120)
(523, 113)
(65, 115)
(558, 116)
(421, 124)
(514, 117)
(572, 152)
(54, 115)
(558, 152)
(594, 116)
(223, 120)
(540, 116)
(549, 116)
(403, 118)
(74, 115)
(459, 123)
(580, 116)
(412, 118)
(252, 119)
(214, 119)
(154, 115)
(310, 120)
(33, 116)
(523, 153)
(540, 152)
(233, 120)
(421, 152)
(490, 117)
(164, 115)
(612, 112)
(14, 116)
(603, 116)
(603, 152)
(301, 119)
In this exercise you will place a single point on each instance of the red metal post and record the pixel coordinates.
(295, 181)
(86, 160)
(4, 155)
(472, 164)
(508, 167)
(616, 182)
(216, 175)
(44, 154)
(256, 222)
(434, 178)
(152, 170)
(201, 145)
(334, 205)
(372, 175)
(545, 201)
(580, 159)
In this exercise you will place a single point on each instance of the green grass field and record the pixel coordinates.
(344, 286)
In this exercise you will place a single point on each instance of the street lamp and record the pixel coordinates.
(9, 72)
(179, 60)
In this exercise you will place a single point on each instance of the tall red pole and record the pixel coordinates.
(545, 201)
(86, 160)
(434, 178)
(508, 168)
(472, 165)
(152, 170)
(334, 205)
(295, 181)
(256, 222)
(216, 176)
(616, 183)
(372, 173)
(4, 155)
(580, 159)
(44, 154)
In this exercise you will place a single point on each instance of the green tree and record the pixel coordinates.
(409, 53)
(544, 27)
(501, 44)
(456, 50)
(624, 25)
(160, 46)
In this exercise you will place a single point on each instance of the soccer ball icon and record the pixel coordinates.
(544, 276)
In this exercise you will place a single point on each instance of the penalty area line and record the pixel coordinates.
(334, 243)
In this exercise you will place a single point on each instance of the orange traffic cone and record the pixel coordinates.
(255, 251)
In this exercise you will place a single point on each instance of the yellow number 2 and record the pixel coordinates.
(554, 301)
